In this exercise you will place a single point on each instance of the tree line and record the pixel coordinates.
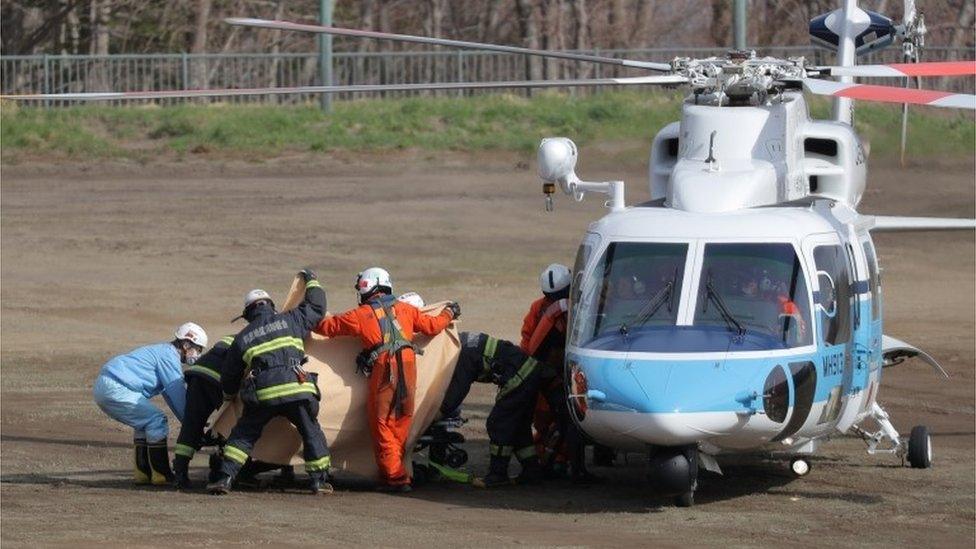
(195, 26)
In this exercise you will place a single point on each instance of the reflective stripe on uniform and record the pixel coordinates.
(201, 369)
(227, 339)
(490, 347)
(525, 453)
(184, 450)
(273, 345)
(320, 464)
(286, 389)
(524, 372)
(497, 450)
(235, 454)
(312, 284)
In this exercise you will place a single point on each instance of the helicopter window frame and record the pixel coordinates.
(807, 307)
(874, 277)
(590, 285)
(584, 254)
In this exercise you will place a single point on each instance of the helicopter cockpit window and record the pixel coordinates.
(758, 291)
(634, 287)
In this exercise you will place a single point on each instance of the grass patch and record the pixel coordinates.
(493, 122)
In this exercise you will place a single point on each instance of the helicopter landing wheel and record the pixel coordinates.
(800, 467)
(920, 448)
(673, 471)
(686, 499)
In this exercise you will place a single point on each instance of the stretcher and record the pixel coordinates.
(342, 409)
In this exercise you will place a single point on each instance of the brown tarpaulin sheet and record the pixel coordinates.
(342, 410)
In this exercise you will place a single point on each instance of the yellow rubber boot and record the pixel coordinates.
(140, 462)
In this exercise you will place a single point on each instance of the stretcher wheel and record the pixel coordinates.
(456, 457)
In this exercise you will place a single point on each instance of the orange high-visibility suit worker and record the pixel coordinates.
(386, 328)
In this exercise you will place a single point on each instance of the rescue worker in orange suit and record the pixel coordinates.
(519, 378)
(386, 329)
(544, 338)
(271, 348)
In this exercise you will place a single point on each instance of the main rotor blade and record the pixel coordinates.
(236, 92)
(288, 25)
(890, 94)
(901, 70)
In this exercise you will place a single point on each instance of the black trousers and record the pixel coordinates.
(303, 414)
(469, 367)
(509, 423)
(555, 394)
(202, 398)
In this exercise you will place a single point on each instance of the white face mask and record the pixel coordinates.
(191, 355)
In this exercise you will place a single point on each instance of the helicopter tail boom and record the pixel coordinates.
(889, 223)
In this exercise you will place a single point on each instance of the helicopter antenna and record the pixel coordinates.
(711, 160)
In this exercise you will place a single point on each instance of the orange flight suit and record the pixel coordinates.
(531, 320)
(544, 315)
(389, 428)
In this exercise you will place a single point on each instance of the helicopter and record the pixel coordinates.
(740, 309)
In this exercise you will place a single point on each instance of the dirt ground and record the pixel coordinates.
(97, 259)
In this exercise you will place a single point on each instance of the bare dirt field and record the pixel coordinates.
(97, 259)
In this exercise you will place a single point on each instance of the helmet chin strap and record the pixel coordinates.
(363, 298)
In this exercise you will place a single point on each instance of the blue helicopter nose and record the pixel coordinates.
(664, 386)
(674, 401)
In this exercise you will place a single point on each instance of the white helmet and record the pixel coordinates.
(555, 278)
(193, 333)
(412, 298)
(372, 277)
(254, 296)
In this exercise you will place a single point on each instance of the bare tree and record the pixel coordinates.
(198, 74)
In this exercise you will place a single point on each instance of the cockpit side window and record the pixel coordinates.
(582, 257)
(835, 293)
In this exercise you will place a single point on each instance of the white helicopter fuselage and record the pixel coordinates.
(685, 376)
(752, 212)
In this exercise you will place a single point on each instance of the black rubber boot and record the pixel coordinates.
(531, 472)
(162, 475)
(221, 486)
(497, 473)
(141, 470)
(319, 485)
(181, 473)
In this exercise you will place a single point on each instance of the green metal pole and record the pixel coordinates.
(739, 24)
(325, 53)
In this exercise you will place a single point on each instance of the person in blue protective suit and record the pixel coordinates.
(127, 382)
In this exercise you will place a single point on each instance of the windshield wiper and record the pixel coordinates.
(665, 295)
(711, 293)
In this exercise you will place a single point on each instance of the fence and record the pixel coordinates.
(144, 72)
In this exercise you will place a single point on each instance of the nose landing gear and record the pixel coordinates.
(673, 471)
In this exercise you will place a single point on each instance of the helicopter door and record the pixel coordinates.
(833, 317)
(860, 350)
(872, 320)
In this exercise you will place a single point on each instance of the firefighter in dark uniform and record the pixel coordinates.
(203, 396)
(519, 378)
(271, 349)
